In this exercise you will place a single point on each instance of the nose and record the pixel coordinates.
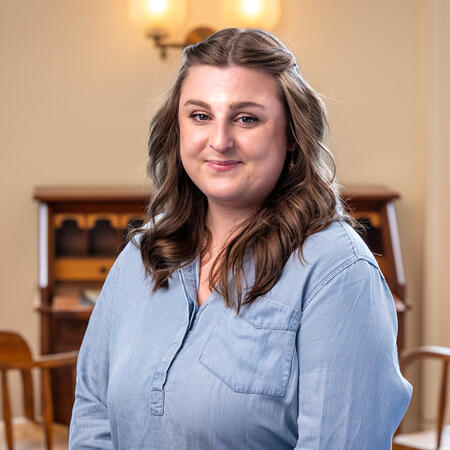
(221, 138)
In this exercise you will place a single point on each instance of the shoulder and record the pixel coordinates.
(129, 263)
(131, 254)
(325, 254)
(337, 244)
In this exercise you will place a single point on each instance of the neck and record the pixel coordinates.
(221, 222)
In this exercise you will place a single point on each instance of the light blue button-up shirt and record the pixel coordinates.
(310, 365)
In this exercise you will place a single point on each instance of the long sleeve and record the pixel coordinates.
(89, 427)
(351, 393)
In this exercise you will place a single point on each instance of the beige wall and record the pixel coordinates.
(436, 300)
(78, 85)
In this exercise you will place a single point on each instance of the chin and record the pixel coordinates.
(225, 198)
(224, 192)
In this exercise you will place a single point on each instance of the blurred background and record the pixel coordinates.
(79, 82)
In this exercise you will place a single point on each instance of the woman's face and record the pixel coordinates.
(233, 139)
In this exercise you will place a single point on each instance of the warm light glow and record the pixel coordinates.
(158, 16)
(251, 13)
(156, 6)
(251, 7)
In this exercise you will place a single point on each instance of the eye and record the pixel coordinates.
(200, 117)
(247, 119)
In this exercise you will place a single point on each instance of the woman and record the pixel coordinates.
(247, 313)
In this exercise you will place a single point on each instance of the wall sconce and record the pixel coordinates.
(158, 18)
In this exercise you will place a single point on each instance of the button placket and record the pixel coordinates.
(161, 372)
(160, 376)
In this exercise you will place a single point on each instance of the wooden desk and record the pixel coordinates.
(81, 231)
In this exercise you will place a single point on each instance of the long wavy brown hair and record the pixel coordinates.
(305, 200)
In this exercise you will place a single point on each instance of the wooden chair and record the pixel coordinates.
(434, 439)
(29, 432)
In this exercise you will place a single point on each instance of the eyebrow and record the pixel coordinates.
(232, 106)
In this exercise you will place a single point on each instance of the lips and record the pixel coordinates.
(222, 166)
(222, 163)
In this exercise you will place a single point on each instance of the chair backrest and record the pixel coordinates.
(435, 352)
(13, 349)
(16, 355)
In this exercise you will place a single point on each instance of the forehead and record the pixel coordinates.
(230, 84)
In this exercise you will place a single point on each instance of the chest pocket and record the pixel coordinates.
(252, 353)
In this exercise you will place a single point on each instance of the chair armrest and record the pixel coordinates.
(430, 351)
(56, 360)
(43, 362)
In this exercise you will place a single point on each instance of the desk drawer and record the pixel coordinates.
(80, 269)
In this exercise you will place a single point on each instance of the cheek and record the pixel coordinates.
(189, 154)
(187, 147)
(269, 147)
(190, 132)
(183, 137)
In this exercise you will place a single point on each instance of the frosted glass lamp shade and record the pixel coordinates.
(252, 13)
(158, 17)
